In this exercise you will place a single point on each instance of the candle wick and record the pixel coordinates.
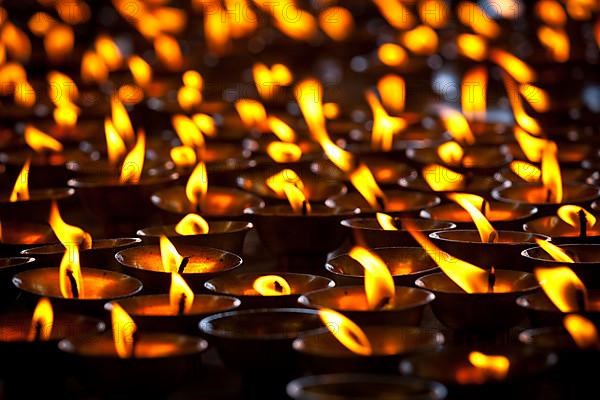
(382, 304)
(582, 224)
(548, 195)
(491, 279)
(580, 299)
(134, 342)
(380, 202)
(277, 286)
(38, 331)
(181, 310)
(304, 207)
(184, 263)
(73, 281)
(484, 207)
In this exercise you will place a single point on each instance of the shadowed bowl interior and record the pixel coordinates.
(472, 236)
(99, 244)
(240, 284)
(159, 305)
(397, 201)
(518, 282)
(581, 254)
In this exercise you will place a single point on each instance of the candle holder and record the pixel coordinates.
(362, 386)
(100, 286)
(224, 235)
(322, 353)
(119, 207)
(220, 202)
(505, 252)
(102, 253)
(316, 189)
(8, 268)
(561, 232)
(452, 368)
(368, 231)
(534, 194)
(542, 312)
(35, 209)
(577, 366)
(479, 312)
(406, 264)
(240, 285)
(399, 203)
(406, 308)
(258, 343)
(18, 236)
(503, 216)
(162, 361)
(475, 184)
(586, 257)
(386, 170)
(568, 174)
(154, 313)
(483, 160)
(144, 262)
(300, 242)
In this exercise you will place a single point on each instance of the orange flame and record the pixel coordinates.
(526, 171)
(532, 147)
(93, 68)
(168, 52)
(523, 120)
(556, 41)
(563, 288)
(121, 121)
(192, 79)
(472, 204)
(551, 177)
(206, 124)
(217, 30)
(384, 126)
(473, 93)
(492, 365)
(187, 131)
(395, 13)
(379, 284)
(20, 190)
(442, 179)
(582, 330)
(346, 332)
(570, 215)
(62, 90)
(240, 27)
(337, 22)
(421, 40)
(284, 177)
(170, 257)
(386, 222)
(16, 41)
(140, 69)
(59, 41)
(68, 235)
(133, 165)
(457, 125)
(471, 15)
(282, 130)
(331, 110)
(66, 115)
(392, 90)
(192, 224)
(183, 156)
(272, 285)
(268, 81)
(252, 113)
(181, 297)
(536, 97)
(283, 152)
(189, 97)
(70, 278)
(114, 143)
(40, 141)
(303, 26)
(555, 252)
(451, 153)
(309, 95)
(468, 277)
(472, 46)
(363, 180)
(124, 330)
(108, 50)
(40, 23)
(514, 66)
(197, 186)
(551, 12)
(297, 199)
(434, 13)
(392, 55)
(42, 321)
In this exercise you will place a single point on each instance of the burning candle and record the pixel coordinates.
(379, 302)
(193, 230)
(571, 224)
(153, 264)
(348, 348)
(178, 311)
(486, 245)
(257, 290)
